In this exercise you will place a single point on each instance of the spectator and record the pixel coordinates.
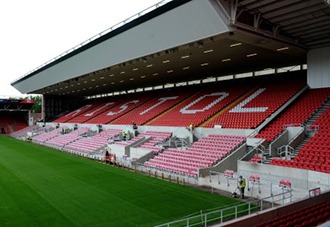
(123, 135)
(135, 129)
(107, 156)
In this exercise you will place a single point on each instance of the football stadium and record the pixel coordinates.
(189, 113)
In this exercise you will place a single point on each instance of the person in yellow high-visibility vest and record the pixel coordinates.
(191, 127)
(242, 184)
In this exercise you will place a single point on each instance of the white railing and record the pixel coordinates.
(221, 215)
(120, 24)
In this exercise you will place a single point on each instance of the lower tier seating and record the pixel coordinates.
(47, 135)
(64, 139)
(204, 153)
(93, 143)
(312, 215)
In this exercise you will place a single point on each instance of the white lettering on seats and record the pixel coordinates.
(222, 95)
(240, 107)
(161, 100)
(122, 107)
(74, 113)
(98, 109)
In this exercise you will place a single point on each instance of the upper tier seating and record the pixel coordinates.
(88, 144)
(122, 107)
(315, 154)
(76, 112)
(201, 106)
(94, 111)
(64, 139)
(259, 104)
(297, 113)
(153, 108)
(313, 215)
(204, 153)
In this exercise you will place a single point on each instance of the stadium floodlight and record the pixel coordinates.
(235, 44)
(251, 55)
(282, 49)
(208, 51)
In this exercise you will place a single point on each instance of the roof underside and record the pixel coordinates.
(264, 34)
(229, 53)
(305, 21)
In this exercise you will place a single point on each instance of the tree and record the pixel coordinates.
(36, 108)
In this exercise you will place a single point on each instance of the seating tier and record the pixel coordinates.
(297, 113)
(204, 153)
(259, 104)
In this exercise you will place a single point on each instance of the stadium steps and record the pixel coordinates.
(11, 129)
(309, 134)
(301, 144)
(311, 121)
(319, 112)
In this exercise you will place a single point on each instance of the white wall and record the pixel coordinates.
(318, 72)
(300, 178)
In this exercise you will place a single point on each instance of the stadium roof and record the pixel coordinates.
(307, 22)
(261, 34)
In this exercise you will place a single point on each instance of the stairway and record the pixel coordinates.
(311, 131)
(310, 121)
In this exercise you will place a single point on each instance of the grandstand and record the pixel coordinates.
(14, 114)
(250, 76)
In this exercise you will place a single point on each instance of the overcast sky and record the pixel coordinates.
(35, 31)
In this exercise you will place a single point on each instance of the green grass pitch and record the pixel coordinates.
(44, 187)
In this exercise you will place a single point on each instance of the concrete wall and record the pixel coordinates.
(293, 142)
(201, 132)
(300, 178)
(138, 152)
(229, 162)
(293, 132)
(287, 135)
(318, 72)
(278, 142)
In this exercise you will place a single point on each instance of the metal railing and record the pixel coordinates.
(218, 216)
(120, 24)
(286, 150)
(165, 175)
